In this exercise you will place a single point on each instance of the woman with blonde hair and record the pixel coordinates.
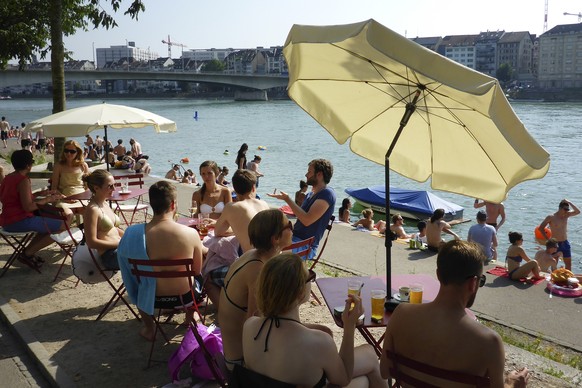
(211, 197)
(102, 230)
(68, 172)
(313, 360)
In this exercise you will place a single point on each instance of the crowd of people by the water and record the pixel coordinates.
(551, 234)
(255, 287)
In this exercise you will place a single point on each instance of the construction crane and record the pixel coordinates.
(170, 44)
(579, 14)
(546, 16)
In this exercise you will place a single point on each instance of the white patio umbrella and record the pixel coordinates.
(399, 102)
(80, 121)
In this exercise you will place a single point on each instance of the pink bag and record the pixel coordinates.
(190, 350)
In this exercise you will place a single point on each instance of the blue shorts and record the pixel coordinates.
(109, 260)
(312, 253)
(35, 224)
(564, 247)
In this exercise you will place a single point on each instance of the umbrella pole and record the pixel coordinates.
(410, 108)
(106, 148)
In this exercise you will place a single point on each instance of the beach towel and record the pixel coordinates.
(502, 272)
(133, 245)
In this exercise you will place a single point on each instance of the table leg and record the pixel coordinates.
(377, 344)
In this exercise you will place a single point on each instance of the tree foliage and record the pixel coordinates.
(213, 65)
(504, 73)
(26, 25)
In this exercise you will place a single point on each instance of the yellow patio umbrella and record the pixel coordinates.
(412, 110)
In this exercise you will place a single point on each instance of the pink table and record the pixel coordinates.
(117, 197)
(334, 291)
(187, 221)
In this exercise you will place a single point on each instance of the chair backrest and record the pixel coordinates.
(413, 371)
(58, 213)
(186, 272)
(132, 179)
(322, 246)
(303, 247)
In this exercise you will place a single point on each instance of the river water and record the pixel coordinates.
(292, 139)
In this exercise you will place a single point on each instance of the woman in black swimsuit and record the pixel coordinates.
(284, 284)
(269, 232)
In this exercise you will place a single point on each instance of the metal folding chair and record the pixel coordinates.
(187, 272)
(132, 180)
(66, 240)
(18, 241)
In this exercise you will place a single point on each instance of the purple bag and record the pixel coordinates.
(190, 350)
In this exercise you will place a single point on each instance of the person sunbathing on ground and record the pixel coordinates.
(515, 255)
(269, 232)
(68, 173)
(457, 341)
(160, 239)
(313, 360)
(102, 230)
(18, 205)
(173, 173)
(221, 179)
(397, 228)
(212, 197)
(548, 258)
(367, 222)
(234, 220)
(344, 210)
(435, 227)
(421, 235)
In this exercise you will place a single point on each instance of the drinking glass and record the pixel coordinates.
(416, 293)
(378, 299)
(193, 209)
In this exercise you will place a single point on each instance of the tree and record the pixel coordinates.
(27, 26)
(504, 73)
(213, 65)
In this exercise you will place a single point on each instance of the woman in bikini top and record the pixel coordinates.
(515, 255)
(269, 232)
(283, 285)
(101, 223)
(211, 197)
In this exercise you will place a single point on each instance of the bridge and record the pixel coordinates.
(255, 81)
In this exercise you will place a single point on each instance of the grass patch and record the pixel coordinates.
(537, 345)
(554, 372)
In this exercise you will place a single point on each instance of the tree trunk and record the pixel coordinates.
(57, 64)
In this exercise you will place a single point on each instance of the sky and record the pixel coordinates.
(253, 23)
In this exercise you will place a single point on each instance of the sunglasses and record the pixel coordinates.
(288, 226)
(67, 151)
(310, 276)
(482, 279)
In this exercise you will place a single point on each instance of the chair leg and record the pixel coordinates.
(18, 247)
(315, 297)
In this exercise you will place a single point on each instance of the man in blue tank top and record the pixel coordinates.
(317, 208)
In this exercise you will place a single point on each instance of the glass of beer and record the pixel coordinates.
(193, 209)
(378, 299)
(202, 226)
(416, 293)
(355, 288)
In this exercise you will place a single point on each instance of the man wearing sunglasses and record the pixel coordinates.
(559, 225)
(441, 333)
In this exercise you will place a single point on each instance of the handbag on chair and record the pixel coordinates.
(84, 267)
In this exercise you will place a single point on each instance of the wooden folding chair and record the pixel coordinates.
(302, 248)
(188, 272)
(408, 372)
(18, 241)
(66, 240)
(132, 180)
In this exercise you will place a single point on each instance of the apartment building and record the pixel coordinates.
(560, 57)
(459, 48)
(516, 49)
(130, 51)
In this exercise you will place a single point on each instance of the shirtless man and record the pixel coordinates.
(494, 211)
(135, 148)
(457, 342)
(559, 225)
(548, 258)
(434, 227)
(396, 227)
(4, 128)
(234, 220)
(119, 150)
(150, 241)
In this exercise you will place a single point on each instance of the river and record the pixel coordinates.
(292, 139)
